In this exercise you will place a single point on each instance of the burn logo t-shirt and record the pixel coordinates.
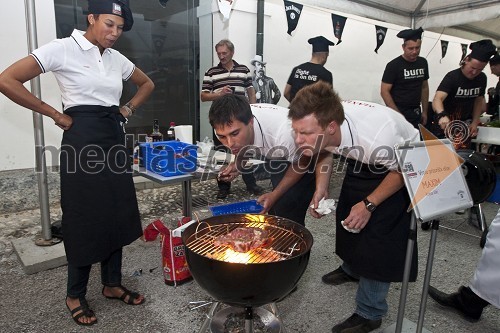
(406, 78)
(462, 93)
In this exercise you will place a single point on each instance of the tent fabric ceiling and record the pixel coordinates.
(463, 18)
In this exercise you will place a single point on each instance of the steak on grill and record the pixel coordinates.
(244, 239)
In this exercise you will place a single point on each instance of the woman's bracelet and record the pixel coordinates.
(131, 107)
(128, 109)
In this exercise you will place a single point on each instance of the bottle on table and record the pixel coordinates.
(171, 132)
(155, 136)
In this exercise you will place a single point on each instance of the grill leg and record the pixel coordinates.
(248, 320)
(209, 315)
(274, 309)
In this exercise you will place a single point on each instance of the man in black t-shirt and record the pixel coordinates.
(494, 100)
(312, 71)
(404, 84)
(460, 95)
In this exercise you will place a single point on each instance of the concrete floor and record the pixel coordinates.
(35, 303)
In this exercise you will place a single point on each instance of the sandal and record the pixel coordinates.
(85, 312)
(132, 296)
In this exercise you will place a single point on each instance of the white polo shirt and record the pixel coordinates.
(84, 76)
(273, 132)
(370, 131)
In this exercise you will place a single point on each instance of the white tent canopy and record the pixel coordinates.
(462, 18)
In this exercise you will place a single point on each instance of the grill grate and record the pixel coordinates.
(284, 243)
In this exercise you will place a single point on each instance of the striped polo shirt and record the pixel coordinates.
(238, 77)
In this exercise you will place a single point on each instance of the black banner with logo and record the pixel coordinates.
(338, 26)
(464, 50)
(381, 32)
(293, 11)
(444, 48)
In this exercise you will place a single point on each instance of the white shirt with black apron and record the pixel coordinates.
(369, 134)
(100, 211)
(486, 280)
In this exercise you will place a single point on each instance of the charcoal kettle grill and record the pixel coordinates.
(246, 281)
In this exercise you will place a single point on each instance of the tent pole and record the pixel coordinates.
(260, 28)
(41, 168)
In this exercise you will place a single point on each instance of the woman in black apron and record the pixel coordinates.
(98, 201)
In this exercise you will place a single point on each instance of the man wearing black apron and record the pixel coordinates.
(98, 201)
(372, 222)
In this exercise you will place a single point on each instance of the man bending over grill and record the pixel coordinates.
(263, 131)
(372, 222)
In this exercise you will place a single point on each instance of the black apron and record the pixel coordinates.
(378, 251)
(294, 203)
(98, 200)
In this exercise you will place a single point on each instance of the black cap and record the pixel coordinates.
(115, 7)
(495, 60)
(411, 34)
(482, 50)
(320, 44)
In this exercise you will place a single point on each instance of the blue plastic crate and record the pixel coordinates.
(495, 196)
(250, 206)
(169, 158)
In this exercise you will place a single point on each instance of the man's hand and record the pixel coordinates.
(318, 195)
(443, 122)
(473, 129)
(229, 173)
(267, 200)
(358, 217)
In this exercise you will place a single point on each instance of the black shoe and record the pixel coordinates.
(465, 302)
(356, 324)
(337, 277)
(222, 194)
(255, 189)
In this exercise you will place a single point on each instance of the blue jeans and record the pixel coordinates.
(371, 296)
(111, 275)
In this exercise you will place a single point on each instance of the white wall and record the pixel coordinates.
(16, 124)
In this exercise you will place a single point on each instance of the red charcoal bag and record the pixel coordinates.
(175, 268)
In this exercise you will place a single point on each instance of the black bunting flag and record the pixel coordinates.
(464, 50)
(293, 11)
(381, 32)
(338, 26)
(444, 48)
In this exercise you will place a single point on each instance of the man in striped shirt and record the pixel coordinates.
(229, 77)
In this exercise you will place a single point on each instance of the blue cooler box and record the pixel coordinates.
(495, 196)
(169, 158)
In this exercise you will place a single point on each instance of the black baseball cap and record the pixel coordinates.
(115, 7)
(411, 34)
(320, 44)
